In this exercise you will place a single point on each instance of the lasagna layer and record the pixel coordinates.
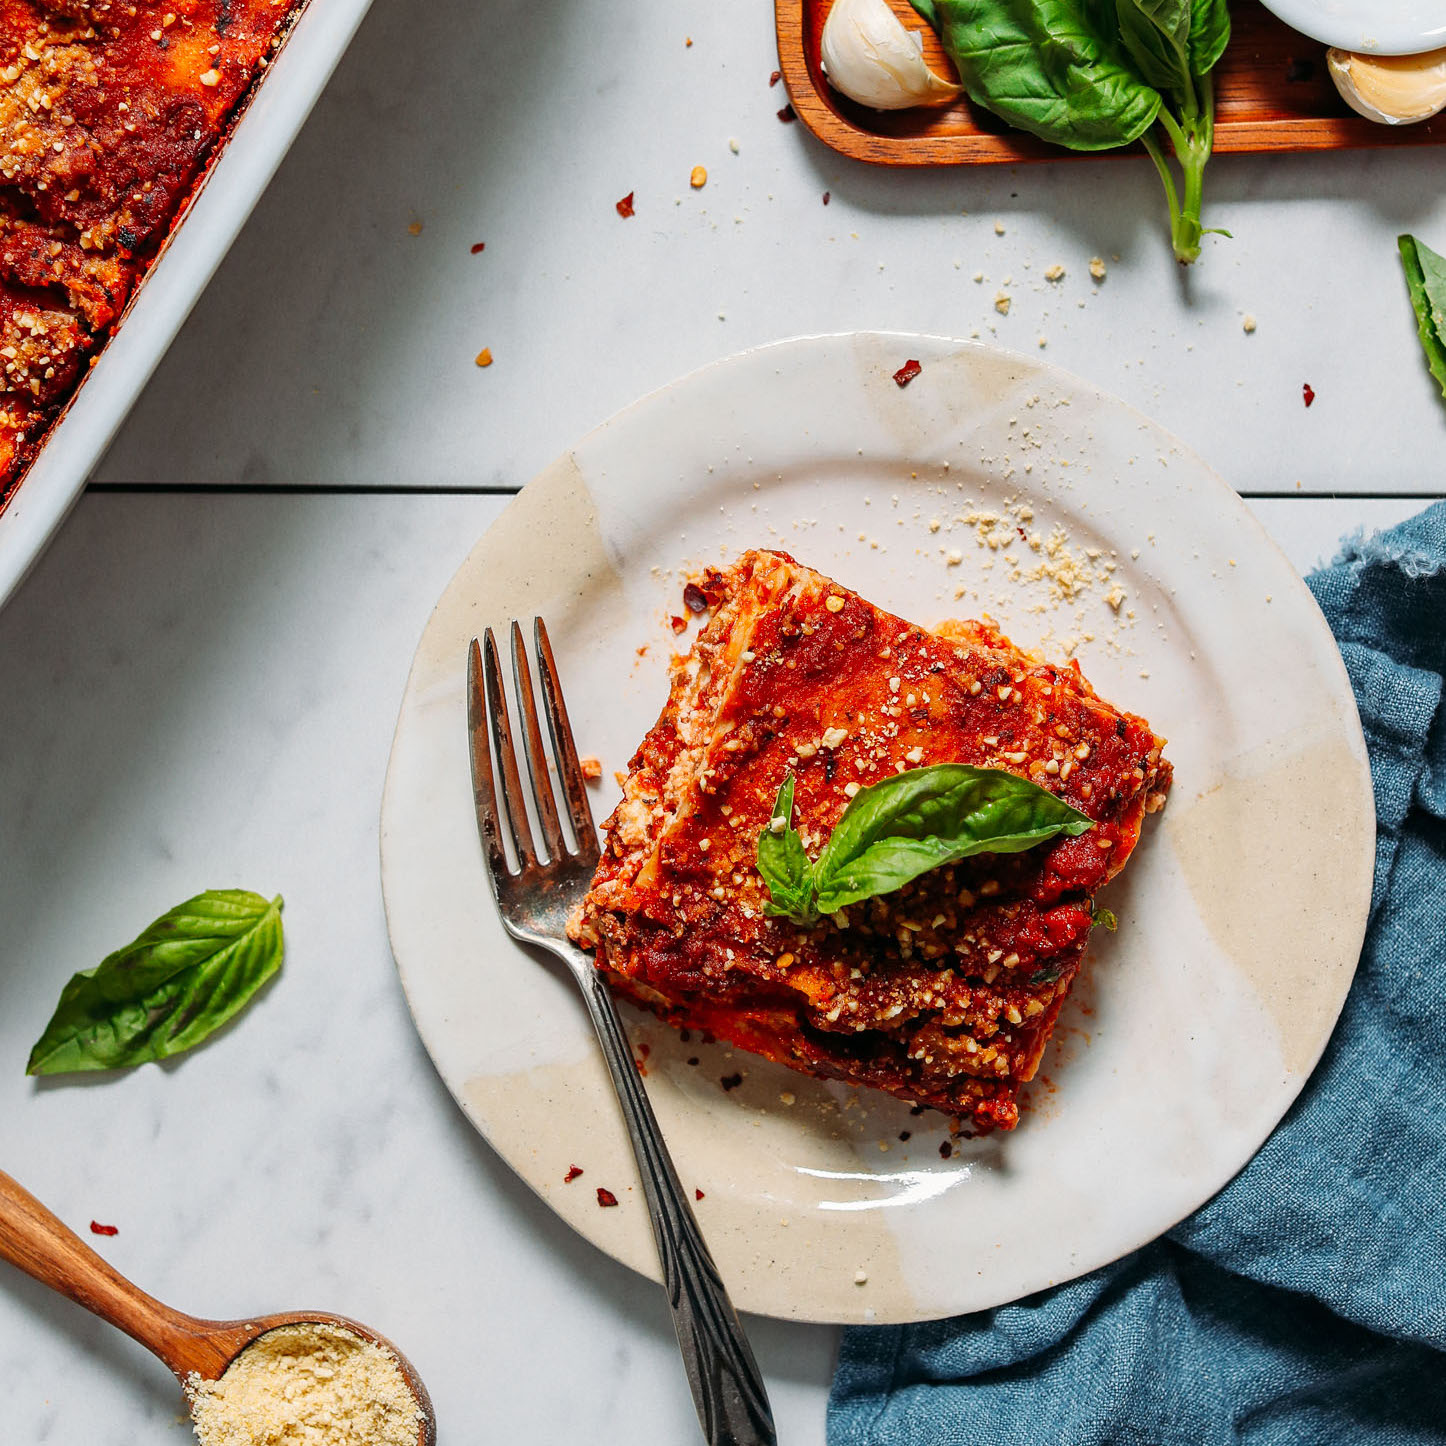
(944, 992)
(109, 110)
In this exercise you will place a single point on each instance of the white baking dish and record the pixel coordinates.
(198, 240)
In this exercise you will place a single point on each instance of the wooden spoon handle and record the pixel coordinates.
(32, 1239)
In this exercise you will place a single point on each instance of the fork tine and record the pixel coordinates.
(512, 796)
(483, 790)
(563, 747)
(532, 747)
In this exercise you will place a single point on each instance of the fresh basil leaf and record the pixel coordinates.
(168, 989)
(1209, 34)
(1157, 35)
(905, 825)
(1054, 68)
(1047, 975)
(784, 864)
(1426, 281)
(1104, 918)
(1095, 74)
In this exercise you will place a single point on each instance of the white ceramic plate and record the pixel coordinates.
(192, 252)
(1241, 914)
(1387, 27)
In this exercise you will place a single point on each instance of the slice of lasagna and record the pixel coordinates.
(943, 992)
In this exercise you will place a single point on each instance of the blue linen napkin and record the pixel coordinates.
(1305, 1303)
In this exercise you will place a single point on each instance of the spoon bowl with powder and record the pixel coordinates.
(299, 1377)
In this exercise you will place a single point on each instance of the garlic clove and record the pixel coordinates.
(1396, 90)
(870, 57)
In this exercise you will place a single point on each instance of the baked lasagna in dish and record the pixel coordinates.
(943, 991)
(108, 112)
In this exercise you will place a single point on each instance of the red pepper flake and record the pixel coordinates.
(573, 1171)
(694, 598)
(731, 1081)
(945, 1149)
(774, 78)
(96, 1228)
(479, 247)
(642, 1068)
(697, 1194)
(1308, 392)
(606, 1197)
(904, 1134)
(679, 625)
(827, 197)
(907, 372)
(625, 206)
(916, 1109)
(788, 115)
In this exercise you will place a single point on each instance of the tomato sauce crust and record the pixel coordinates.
(943, 993)
(109, 111)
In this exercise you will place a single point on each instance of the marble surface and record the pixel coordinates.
(200, 687)
(337, 347)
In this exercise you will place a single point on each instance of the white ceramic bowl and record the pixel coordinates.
(1382, 27)
(193, 250)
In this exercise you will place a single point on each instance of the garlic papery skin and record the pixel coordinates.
(870, 57)
(1396, 90)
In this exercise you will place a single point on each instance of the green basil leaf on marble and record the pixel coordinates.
(180, 980)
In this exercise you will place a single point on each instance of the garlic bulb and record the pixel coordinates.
(870, 57)
(1397, 90)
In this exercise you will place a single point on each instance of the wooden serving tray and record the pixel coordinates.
(1273, 93)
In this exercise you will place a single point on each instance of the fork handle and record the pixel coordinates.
(727, 1386)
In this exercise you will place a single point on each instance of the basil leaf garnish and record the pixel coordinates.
(1105, 918)
(1426, 281)
(783, 863)
(175, 984)
(905, 825)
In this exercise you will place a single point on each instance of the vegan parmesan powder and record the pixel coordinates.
(310, 1384)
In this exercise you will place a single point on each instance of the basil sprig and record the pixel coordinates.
(899, 828)
(1097, 74)
(167, 990)
(1426, 281)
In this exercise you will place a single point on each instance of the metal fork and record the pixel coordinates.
(534, 899)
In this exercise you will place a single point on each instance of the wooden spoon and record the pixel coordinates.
(32, 1239)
